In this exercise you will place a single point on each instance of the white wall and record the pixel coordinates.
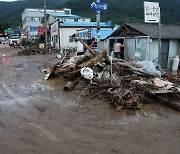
(105, 45)
(64, 37)
(54, 35)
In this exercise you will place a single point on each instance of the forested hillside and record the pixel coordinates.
(10, 12)
(119, 11)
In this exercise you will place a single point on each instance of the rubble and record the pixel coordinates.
(35, 51)
(126, 85)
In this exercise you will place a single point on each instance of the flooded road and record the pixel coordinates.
(37, 116)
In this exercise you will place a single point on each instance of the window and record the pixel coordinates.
(67, 12)
(70, 39)
(75, 20)
(35, 19)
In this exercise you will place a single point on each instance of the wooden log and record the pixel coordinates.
(173, 104)
(70, 85)
(89, 63)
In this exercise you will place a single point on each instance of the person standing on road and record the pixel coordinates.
(117, 50)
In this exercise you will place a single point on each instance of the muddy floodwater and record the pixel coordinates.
(38, 117)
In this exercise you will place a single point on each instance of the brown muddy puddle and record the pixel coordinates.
(152, 112)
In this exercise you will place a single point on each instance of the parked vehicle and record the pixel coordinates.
(14, 40)
(3, 41)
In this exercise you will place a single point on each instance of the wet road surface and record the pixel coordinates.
(37, 116)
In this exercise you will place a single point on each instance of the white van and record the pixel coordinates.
(14, 40)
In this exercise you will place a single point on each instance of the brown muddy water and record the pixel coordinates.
(37, 116)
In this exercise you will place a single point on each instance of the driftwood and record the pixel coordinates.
(171, 103)
(89, 63)
(70, 85)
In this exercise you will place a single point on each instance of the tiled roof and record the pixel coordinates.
(167, 31)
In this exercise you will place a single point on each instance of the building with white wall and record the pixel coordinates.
(32, 18)
(61, 32)
(66, 18)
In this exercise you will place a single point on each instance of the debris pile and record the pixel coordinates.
(120, 82)
(35, 51)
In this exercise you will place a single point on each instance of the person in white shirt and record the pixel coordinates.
(117, 50)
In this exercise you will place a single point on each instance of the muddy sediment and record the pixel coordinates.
(37, 116)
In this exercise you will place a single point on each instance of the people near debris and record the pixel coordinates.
(92, 44)
(118, 50)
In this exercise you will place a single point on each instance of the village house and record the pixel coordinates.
(141, 42)
(33, 18)
(62, 31)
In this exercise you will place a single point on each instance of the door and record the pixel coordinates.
(129, 48)
(142, 48)
(164, 53)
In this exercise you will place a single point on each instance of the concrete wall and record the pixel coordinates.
(65, 33)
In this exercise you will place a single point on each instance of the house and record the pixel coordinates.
(51, 17)
(141, 42)
(61, 32)
(32, 18)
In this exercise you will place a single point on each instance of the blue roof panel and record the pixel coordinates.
(64, 15)
(82, 24)
(103, 33)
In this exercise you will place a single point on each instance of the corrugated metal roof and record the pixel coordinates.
(65, 15)
(167, 31)
(103, 33)
(82, 24)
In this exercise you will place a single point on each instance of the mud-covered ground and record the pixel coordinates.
(38, 117)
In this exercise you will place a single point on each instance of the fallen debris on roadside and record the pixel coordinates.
(121, 83)
(35, 51)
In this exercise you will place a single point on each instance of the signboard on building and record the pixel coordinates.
(151, 12)
(8, 31)
(98, 6)
(40, 30)
(33, 28)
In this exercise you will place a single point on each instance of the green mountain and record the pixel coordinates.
(119, 11)
(10, 12)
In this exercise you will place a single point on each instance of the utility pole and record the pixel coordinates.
(98, 28)
(45, 24)
(159, 38)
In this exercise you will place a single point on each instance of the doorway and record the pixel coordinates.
(164, 53)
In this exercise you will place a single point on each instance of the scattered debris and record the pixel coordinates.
(125, 84)
(35, 51)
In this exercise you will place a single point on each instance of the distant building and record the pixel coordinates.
(66, 18)
(61, 32)
(32, 18)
